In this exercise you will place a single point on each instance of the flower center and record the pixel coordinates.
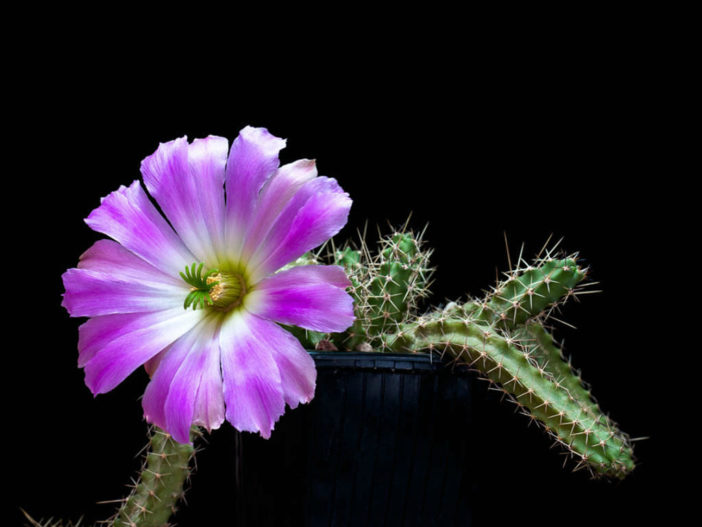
(227, 290)
(221, 290)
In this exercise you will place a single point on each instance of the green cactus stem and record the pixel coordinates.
(589, 436)
(160, 486)
(400, 280)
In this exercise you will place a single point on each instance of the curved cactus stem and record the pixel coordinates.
(588, 435)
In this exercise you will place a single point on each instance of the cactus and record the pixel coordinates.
(502, 337)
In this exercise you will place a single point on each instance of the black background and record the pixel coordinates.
(583, 143)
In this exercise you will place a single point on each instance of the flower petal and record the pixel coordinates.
(187, 385)
(135, 340)
(187, 181)
(275, 194)
(209, 403)
(107, 256)
(298, 373)
(311, 297)
(253, 389)
(316, 213)
(253, 158)
(97, 332)
(127, 216)
(94, 293)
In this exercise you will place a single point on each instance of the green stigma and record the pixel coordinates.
(200, 286)
(220, 290)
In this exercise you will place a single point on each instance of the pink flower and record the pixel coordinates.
(196, 296)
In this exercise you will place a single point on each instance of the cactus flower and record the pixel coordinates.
(195, 292)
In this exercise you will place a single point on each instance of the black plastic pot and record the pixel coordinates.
(386, 441)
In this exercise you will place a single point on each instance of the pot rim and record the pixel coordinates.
(376, 360)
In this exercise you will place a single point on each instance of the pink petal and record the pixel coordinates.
(94, 293)
(135, 340)
(311, 297)
(156, 391)
(209, 403)
(97, 332)
(187, 385)
(253, 389)
(187, 181)
(297, 370)
(252, 160)
(316, 213)
(276, 193)
(127, 216)
(107, 256)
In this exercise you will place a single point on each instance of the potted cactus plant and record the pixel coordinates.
(232, 315)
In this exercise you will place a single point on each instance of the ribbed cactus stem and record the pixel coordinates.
(588, 435)
(160, 486)
(549, 356)
(400, 279)
(386, 287)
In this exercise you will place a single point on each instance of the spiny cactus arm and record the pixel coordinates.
(160, 486)
(401, 276)
(386, 287)
(548, 355)
(501, 360)
(530, 291)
